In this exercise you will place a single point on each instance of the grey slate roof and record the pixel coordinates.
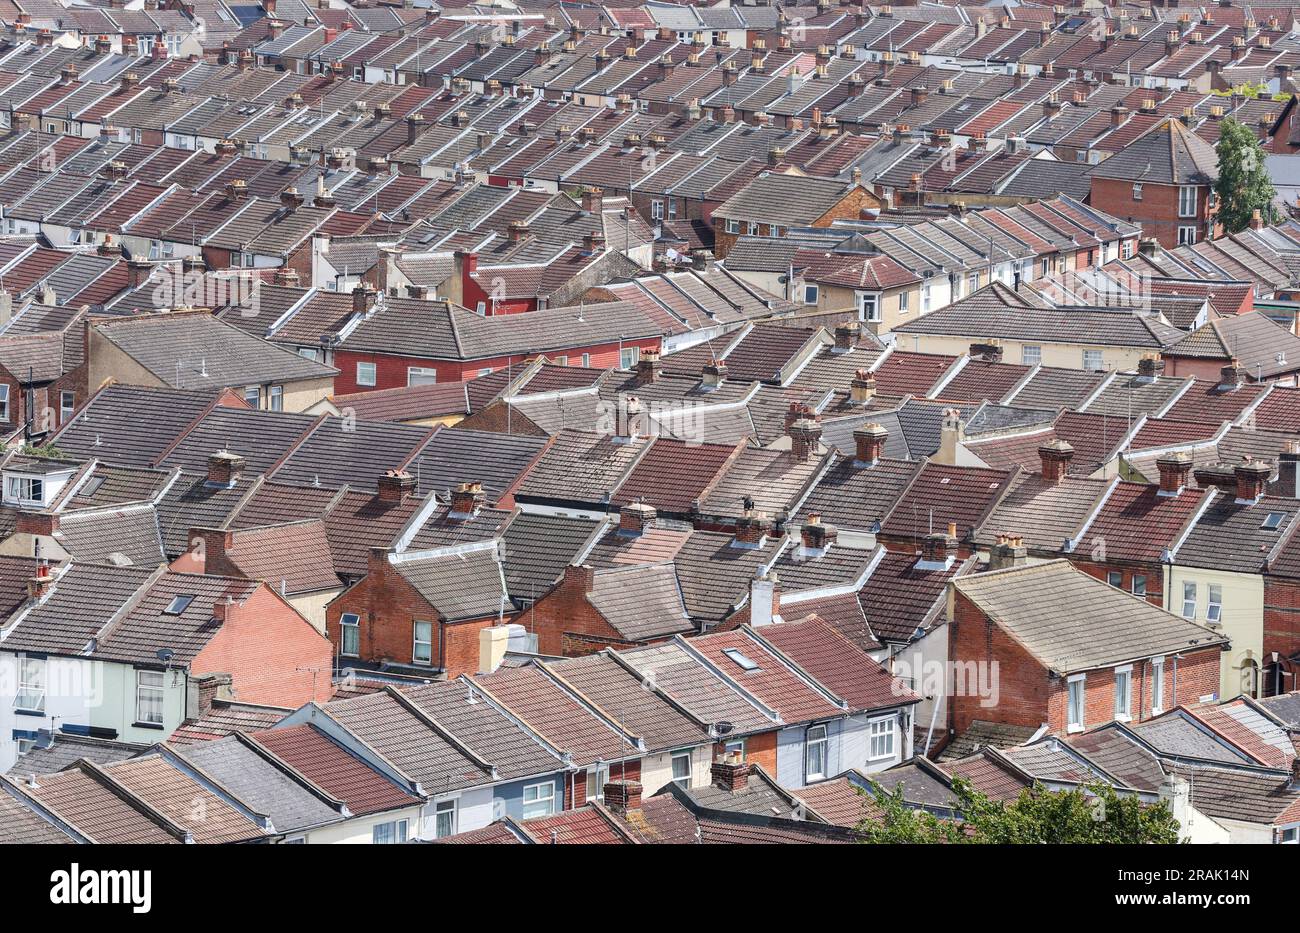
(462, 582)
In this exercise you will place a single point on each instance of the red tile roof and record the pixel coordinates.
(335, 770)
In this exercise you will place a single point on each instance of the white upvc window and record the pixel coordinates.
(1189, 600)
(811, 294)
(682, 769)
(1031, 355)
(1115, 578)
(423, 651)
(4, 402)
(67, 405)
(1092, 360)
(1137, 191)
(1157, 685)
(275, 398)
(444, 818)
(882, 739)
(1126, 249)
(1214, 611)
(253, 396)
(1289, 836)
(733, 226)
(1124, 693)
(390, 833)
(586, 360)
(149, 697)
(816, 747)
(597, 777)
(350, 634)
(539, 800)
(656, 210)
(868, 306)
(365, 374)
(628, 357)
(31, 685)
(904, 302)
(1186, 236)
(421, 376)
(1140, 585)
(1187, 201)
(1074, 712)
(25, 490)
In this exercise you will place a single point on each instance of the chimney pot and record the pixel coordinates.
(395, 485)
(730, 773)
(869, 441)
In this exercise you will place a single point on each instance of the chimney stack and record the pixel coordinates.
(730, 773)
(1009, 551)
(751, 528)
(1252, 479)
(805, 434)
(363, 299)
(466, 500)
(815, 535)
(623, 797)
(869, 441)
(40, 584)
(863, 387)
(1174, 470)
(648, 367)
(635, 518)
(592, 199)
(1055, 457)
(395, 485)
(224, 468)
(939, 547)
(846, 336)
(715, 373)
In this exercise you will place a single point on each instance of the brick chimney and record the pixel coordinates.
(466, 499)
(869, 441)
(36, 523)
(751, 528)
(363, 299)
(395, 485)
(940, 547)
(1252, 479)
(214, 543)
(1232, 376)
(623, 797)
(1175, 469)
(1055, 457)
(805, 434)
(815, 535)
(863, 387)
(730, 773)
(580, 577)
(39, 585)
(1150, 366)
(634, 518)
(648, 367)
(224, 468)
(846, 336)
(714, 374)
(1009, 551)
(592, 200)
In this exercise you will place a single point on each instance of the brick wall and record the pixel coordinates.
(565, 616)
(1153, 572)
(1157, 211)
(1281, 619)
(760, 750)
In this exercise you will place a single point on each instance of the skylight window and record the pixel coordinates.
(178, 604)
(1274, 521)
(92, 486)
(742, 660)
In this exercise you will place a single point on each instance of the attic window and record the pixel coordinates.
(92, 486)
(1273, 521)
(178, 604)
(742, 660)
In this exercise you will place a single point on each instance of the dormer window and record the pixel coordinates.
(25, 490)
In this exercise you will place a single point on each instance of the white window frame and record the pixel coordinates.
(1157, 685)
(275, 398)
(882, 734)
(1187, 201)
(736, 747)
(26, 490)
(597, 777)
(811, 293)
(1186, 236)
(373, 374)
(421, 376)
(30, 696)
(1214, 608)
(816, 741)
(542, 802)
(1093, 355)
(350, 630)
(681, 780)
(1115, 578)
(1124, 693)
(656, 210)
(1190, 599)
(1031, 354)
(67, 404)
(869, 307)
(733, 227)
(1076, 696)
(904, 302)
(253, 396)
(400, 830)
(416, 642)
(143, 690)
(1137, 191)
(441, 809)
(4, 401)
(628, 357)
(1139, 585)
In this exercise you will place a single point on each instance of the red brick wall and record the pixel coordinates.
(565, 611)
(273, 655)
(1281, 620)
(760, 749)
(1153, 572)
(1157, 211)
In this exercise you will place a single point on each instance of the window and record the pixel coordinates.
(307, 353)
(561, 361)
(539, 800)
(1115, 578)
(1075, 706)
(904, 302)
(67, 405)
(1288, 837)
(742, 660)
(682, 769)
(179, 604)
(672, 208)
(1214, 612)
(1126, 249)
(4, 403)
(810, 294)
(1123, 693)
(656, 210)
(31, 685)
(1187, 201)
(869, 307)
(423, 653)
(253, 397)
(753, 228)
(387, 834)
(350, 634)
(365, 374)
(1157, 685)
(1031, 355)
(1140, 585)
(586, 360)
(628, 357)
(149, 697)
(734, 747)
(882, 739)
(1273, 521)
(1189, 600)
(444, 819)
(1137, 192)
(973, 282)
(1092, 360)
(421, 376)
(597, 777)
(733, 226)
(25, 489)
(275, 398)
(815, 753)
(1186, 236)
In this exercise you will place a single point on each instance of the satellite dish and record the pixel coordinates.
(165, 655)
(723, 727)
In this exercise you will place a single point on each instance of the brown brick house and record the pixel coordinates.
(773, 203)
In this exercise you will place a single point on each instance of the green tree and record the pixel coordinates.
(1244, 185)
(1094, 815)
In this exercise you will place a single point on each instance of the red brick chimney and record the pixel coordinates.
(1252, 479)
(863, 387)
(39, 585)
(1055, 457)
(466, 499)
(215, 543)
(870, 443)
(395, 485)
(648, 367)
(730, 773)
(36, 523)
(751, 528)
(939, 546)
(623, 797)
(815, 535)
(846, 337)
(224, 468)
(580, 577)
(363, 299)
(1175, 469)
(805, 434)
(592, 200)
(634, 518)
